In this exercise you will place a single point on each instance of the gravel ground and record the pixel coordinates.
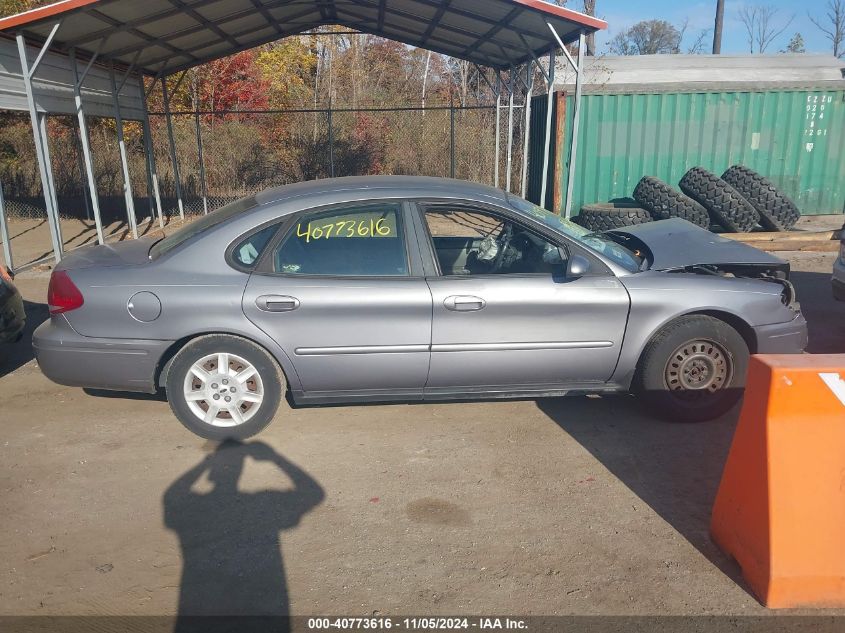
(573, 506)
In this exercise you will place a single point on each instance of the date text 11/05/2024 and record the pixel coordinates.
(417, 623)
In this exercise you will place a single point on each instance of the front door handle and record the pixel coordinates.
(277, 303)
(464, 303)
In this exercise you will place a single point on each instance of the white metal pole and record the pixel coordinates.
(529, 93)
(51, 183)
(4, 233)
(43, 164)
(121, 142)
(576, 118)
(201, 156)
(509, 162)
(173, 158)
(547, 145)
(151, 157)
(86, 148)
(498, 127)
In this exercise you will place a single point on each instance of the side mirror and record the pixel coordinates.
(578, 267)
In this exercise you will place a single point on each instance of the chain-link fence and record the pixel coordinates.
(242, 153)
(248, 152)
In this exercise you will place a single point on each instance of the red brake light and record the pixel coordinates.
(62, 293)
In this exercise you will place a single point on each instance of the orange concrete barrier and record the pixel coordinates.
(780, 509)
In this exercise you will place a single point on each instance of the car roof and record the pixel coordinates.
(387, 185)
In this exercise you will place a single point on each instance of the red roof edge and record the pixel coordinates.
(562, 12)
(64, 6)
(42, 13)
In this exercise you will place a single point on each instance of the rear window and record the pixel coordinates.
(162, 247)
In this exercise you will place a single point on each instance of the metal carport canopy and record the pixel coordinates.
(161, 37)
(158, 38)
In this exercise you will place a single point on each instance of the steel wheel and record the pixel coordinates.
(698, 367)
(223, 390)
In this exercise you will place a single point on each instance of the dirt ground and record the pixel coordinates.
(573, 506)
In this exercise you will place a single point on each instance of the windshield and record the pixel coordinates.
(196, 227)
(594, 241)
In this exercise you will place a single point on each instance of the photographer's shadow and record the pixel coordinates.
(230, 540)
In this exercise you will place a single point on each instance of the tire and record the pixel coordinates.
(725, 204)
(611, 215)
(664, 385)
(261, 393)
(663, 202)
(777, 212)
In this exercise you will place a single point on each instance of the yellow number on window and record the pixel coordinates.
(381, 229)
(306, 235)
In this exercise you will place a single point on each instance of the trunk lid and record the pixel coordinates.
(127, 253)
(677, 244)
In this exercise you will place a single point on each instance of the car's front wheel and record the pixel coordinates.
(224, 387)
(693, 370)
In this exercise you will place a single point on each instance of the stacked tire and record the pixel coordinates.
(611, 215)
(663, 202)
(724, 203)
(776, 211)
(737, 201)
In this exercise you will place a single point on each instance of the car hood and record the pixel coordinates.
(677, 244)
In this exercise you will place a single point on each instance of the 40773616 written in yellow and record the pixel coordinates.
(372, 227)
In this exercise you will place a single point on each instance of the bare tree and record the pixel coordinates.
(760, 27)
(717, 29)
(649, 37)
(833, 25)
(696, 47)
(590, 9)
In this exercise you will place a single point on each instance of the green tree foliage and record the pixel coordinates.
(649, 37)
(796, 45)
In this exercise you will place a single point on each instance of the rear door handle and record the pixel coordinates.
(463, 303)
(277, 303)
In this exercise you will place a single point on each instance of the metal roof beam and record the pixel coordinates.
(444, 6)
(150, 39)
(453, 29)
(416, 42)
(266, 15)
(202, 20)
(382, 10)
(201, 27)
(164, 70)
(44, 49)
(272, 38)
(536, 61)
(498, 27)
(126, 26)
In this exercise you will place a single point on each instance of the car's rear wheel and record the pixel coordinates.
(693, 370)
(223, 387)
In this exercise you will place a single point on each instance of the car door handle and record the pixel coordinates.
(464, 303)
(277, 303)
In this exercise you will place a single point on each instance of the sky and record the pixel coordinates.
(621, 14)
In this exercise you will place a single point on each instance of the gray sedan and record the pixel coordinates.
(406, 289)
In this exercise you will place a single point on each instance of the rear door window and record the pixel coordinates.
(358, 241)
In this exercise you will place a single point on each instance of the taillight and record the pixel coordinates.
(62, 294)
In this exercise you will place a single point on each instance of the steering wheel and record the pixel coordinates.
(504, 241)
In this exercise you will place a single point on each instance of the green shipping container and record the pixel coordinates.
(795, 137)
